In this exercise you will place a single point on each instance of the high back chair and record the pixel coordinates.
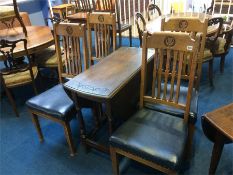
(83, 5)
(141, 25)
(104, 25)
(153, 11)
(190, 25)
(153, 138)
(16, 73)
(7, 13)
(113, 6)
(54, 104)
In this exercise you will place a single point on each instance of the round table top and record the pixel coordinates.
(39, 38)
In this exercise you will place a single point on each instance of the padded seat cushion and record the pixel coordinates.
(207, 55)
(154, 136)
(20, 77)
(221, 43)
(47, 57)
(6, 12)
(182, 99)
(53, 102)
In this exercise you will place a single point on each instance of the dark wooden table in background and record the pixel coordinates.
(39, 38)
(114, 81)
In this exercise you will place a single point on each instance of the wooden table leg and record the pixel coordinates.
(216, 153)
(109, 116)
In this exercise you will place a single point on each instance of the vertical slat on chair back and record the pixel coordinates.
(72, 50)
(83, 5)
(189, 25)
(105, 5)
(104, 25)
(173, 50)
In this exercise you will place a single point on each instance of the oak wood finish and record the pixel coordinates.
(192, 25)
(39, 38)
(104, 82)
(17, 16)
(69, 50)
(221, 120)
(14, 69)
(179, 47)
(62, 9)
(104, 25)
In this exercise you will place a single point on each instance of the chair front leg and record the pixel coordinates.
(37, 126)
(211, 62)
(115, 161)
(12, 102)
(222, 62)
(69, 139)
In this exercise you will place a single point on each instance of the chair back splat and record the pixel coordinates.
(104, 25)
(190, 25)
(72, 50)
(175, 60)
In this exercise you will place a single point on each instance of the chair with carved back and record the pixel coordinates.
(141, 25)
(114, 7)
(104, 25)
(213, 44)
(153, 11)
(158, 139)
(16, 73)
(223, 43)
(55, 104)
(7, 13)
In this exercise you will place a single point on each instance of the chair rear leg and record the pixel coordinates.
(69, 139)
(222, 62)
(12, 102)
(115, 161)
(190, 142)
(120, 38)
(37, 125)
(130, 36)
(211, 62)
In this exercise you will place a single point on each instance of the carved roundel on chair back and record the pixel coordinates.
(101, 18)
(169, 41)
(69, 30)
(183, 24)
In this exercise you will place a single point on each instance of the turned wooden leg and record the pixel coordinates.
(69, 138)
(95, 113)
(12, 102)
(222, 62)
(216, 153)
(115, 161)
(130, 36)
(211, 62)
(37, 126)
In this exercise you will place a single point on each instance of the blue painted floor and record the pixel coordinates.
(21, 153)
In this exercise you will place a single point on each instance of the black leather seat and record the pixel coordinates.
(182, 100)
(53, 102)
(154, 136)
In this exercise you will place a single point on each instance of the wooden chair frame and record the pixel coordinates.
(189, 25)
(160, 42)
(140, 19)
(71, 35)
(104, 25)
(13, 67)
(152, 7)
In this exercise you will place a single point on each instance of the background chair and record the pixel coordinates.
(212, 45)
(16, 74)
(113, 6)
(224, 44)
(104, 25)
(149, 136)
(54, 104)
(141, 25)
(9, 12)
(153, 11)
